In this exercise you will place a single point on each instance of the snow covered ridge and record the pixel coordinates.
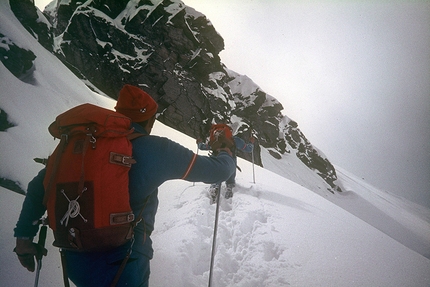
(172, 52)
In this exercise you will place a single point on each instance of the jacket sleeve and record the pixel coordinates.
(241, 145)
(198, 168)
(160, 159)
(211, 169)
(32, 208)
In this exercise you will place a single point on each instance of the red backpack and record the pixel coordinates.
(86, 181)
(220, 136)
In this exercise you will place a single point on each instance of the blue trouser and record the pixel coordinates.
(99, 268)
(230, 180)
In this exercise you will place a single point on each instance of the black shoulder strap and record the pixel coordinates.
(135, 135)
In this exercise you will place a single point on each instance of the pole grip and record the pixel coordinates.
(42, 240)
(39, 255)
(42, 235)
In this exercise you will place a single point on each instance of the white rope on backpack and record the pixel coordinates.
(74, 209)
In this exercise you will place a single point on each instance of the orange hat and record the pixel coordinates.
(135, 104)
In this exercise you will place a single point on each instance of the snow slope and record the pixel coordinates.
(272, 233)
(275, 232)
(400, 219)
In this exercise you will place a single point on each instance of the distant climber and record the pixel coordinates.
(224, 131)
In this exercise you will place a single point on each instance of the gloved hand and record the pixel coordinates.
(27, 250)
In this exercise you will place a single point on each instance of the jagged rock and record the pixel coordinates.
(32, 20)
(17, 60)
(4, 123)
(172, 52)
(11, 185)
(307, 153)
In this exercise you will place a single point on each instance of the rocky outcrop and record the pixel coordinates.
(4, 122)
(19, 61)
(32, 19)
(172, 52)
(309, 155)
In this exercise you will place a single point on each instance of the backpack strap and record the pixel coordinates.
(138, 219)
(88, 139)
(61, 147)
(64, 265)
(135, 135)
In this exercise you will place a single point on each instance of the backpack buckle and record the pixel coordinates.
(121, 159)
(121, 218)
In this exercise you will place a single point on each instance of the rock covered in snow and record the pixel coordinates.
(17, 60)
(33, 20)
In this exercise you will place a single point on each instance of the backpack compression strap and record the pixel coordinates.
(139, 218)
(127, 256)
(61, 146)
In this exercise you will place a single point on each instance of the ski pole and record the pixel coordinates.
(41, 243)
(253, 170)
(252, 155)
(214, 239)
(197, 153)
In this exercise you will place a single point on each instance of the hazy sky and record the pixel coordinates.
(355, 75)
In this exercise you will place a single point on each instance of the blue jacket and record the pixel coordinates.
(158, 160)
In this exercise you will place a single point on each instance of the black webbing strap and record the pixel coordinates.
(127, 256)
(60, 151)
(64, 265)
(133, 225)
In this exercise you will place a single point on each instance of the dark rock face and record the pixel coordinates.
(28, 15)
(309, 155)
(11, 185)
(17, 60)
(4, 123)
(172, 52)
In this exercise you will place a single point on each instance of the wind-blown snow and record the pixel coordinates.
(275, 232)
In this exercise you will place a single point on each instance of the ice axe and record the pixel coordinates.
(41, 244)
